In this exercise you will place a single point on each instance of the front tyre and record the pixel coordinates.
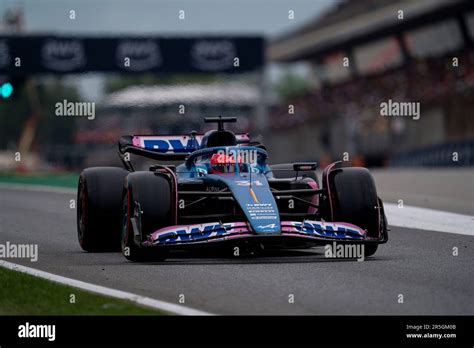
(370, 249)
(353, 199)
(147, 206)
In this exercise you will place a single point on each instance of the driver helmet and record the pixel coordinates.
(224, 163)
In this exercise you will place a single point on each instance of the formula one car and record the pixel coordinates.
(224, 194)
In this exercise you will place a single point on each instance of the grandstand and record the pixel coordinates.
(406, 51)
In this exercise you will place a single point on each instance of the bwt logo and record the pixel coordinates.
(63, 55)
(171, 145)
(329, 229)
(138, 55)
(191, 233)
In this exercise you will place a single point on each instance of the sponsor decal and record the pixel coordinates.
(142, 55)
(272, 226)
(192, 232)
(213, 188)
(213, 55)
(328, 229)
(63, 54)
(247, 183)
(261, 211)
(176, 143)
(170, 145)
(201, 171)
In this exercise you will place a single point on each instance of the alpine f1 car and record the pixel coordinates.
(223, 194)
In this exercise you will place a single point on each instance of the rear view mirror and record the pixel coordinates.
(304, 166)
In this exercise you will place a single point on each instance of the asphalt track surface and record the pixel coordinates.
(417, 264)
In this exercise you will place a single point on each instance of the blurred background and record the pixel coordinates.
(308, 80)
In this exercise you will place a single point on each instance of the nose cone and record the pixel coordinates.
(257, 202)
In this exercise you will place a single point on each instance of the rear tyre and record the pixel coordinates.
(147, 200)
(354, 200)
(99, 208)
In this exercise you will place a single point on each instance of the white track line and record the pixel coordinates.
(144, 301)
(429, 219)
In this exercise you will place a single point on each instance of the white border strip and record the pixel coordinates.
(102, 290)
(429, 219)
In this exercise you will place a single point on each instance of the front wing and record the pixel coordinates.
(313, 232)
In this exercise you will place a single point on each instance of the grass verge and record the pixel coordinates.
(45, 179)
(23, 294)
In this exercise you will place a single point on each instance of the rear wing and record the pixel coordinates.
(166, 147)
